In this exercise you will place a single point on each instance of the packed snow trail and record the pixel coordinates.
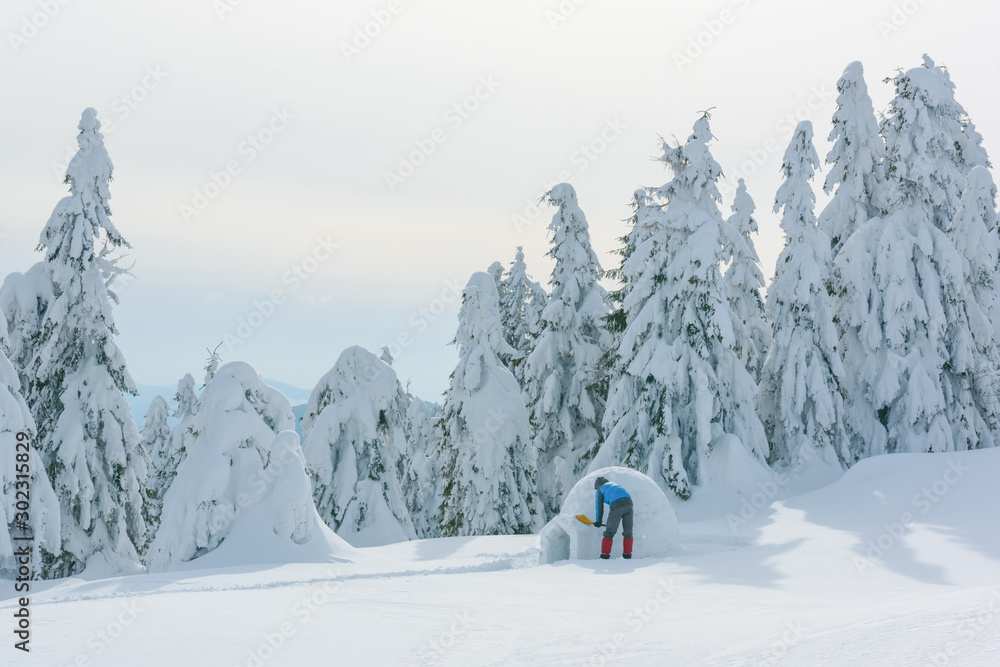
(893, 564)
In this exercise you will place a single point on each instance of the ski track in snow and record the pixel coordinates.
(491, 564)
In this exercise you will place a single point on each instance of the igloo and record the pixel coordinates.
(655, 524)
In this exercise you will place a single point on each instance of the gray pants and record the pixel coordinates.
(621, 512)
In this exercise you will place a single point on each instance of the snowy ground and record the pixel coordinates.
(897, 563)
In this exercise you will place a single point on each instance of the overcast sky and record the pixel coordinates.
(262, 149)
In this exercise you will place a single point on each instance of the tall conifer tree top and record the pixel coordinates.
(857, 171)
(89, 439)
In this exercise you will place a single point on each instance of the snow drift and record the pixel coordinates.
(656, 531)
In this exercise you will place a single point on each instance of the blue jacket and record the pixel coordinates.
(608, 493)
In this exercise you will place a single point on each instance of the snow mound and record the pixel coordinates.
(655, 523)
(730, 467)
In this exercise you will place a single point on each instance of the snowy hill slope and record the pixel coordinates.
(897, 563)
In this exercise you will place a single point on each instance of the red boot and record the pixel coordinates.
(606, 549)
(627, 543)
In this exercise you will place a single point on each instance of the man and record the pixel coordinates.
(621, 512)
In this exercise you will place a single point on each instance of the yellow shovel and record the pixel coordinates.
(583, 519)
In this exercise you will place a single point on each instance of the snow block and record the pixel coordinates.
(655, 524)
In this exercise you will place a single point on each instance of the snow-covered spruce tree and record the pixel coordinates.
(156, 441)
(488, 460)
(911, 330)
(562, 376)
(185, 398)
(801, 399)
(642, 224)
(212, 365)
(78, 378)
(386, 355)
(679, 377)
(421, 479)
(521, 303)
(857, 172)
(167, 460)
(496, 272)
(744, 282)
(968, 141)
(354, 443)
(930, 143)
(533, 316)
(244, 456)
(43, 515)
(976, 236)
